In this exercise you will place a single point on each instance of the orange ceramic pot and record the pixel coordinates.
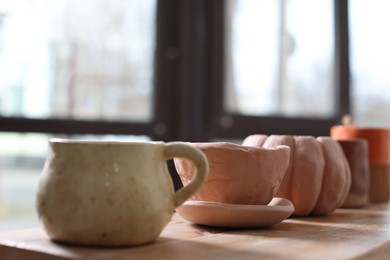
(378, 153)
(378, 141)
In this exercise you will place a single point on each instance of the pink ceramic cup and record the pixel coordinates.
(238, 174)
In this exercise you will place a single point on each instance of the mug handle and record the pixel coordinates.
(182, 150)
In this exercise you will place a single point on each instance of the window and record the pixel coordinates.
(56, 54)
(281, 74)
(278, 63)
(369, 62)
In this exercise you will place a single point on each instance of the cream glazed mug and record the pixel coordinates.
(107, 193)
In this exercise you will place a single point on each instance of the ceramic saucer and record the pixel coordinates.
(236, 215)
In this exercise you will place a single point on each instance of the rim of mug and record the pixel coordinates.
(97, 141)
(230, 146)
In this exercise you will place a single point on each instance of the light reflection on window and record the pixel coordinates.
(279, 57)
(90, 59)
(370, 54)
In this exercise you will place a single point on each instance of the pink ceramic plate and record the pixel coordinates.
(235, 215)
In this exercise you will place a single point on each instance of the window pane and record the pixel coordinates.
(370, 53)
(21, 159)
(90, 59)
(279, 58)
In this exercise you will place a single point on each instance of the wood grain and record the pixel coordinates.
(347, 233)
(379, 183)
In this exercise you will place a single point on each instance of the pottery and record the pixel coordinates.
(356, 152)
(378, 141)
(234, 215)
(378, 156)
(318, 178)
(112, 193)
(238, 174)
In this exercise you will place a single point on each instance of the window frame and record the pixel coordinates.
(228, 125)
(156, 128)
(188, 92)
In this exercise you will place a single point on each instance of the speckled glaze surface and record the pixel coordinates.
(238, 174)
(112, 193)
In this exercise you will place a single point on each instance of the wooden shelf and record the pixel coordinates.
(346, 233)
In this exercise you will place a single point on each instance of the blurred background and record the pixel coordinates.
(180, 70)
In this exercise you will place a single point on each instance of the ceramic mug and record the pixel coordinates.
(112, 193)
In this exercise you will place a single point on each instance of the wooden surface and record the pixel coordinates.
(346, 233)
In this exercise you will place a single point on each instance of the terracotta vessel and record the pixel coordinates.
(356, 152)
(238, 174)
(378, 141)
(378, 153)
(318, 178)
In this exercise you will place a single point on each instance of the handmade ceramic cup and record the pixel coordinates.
(378, 153)
(356, 153)
(238, 174)
(112, 193)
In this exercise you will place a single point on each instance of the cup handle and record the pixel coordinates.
(182, 150)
